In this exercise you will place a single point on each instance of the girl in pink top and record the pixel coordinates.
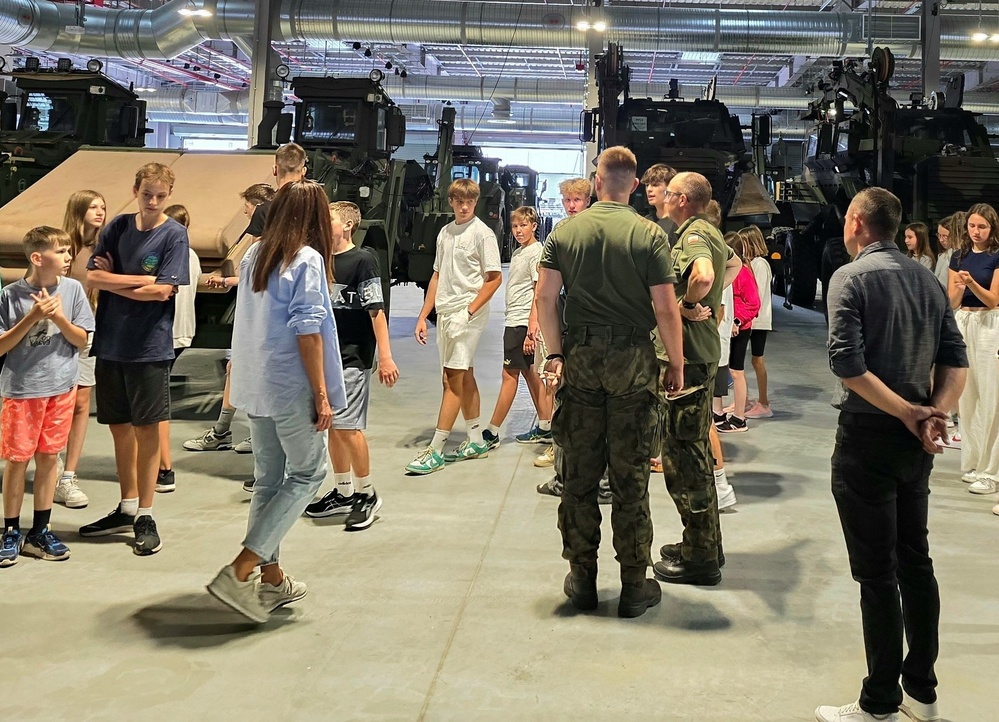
(745, 309)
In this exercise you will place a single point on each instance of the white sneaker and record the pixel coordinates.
(67, 492)
(240, 596)
(984, 485)
(970, 478)
(851, 713)
(546, 459)
(955, 441)
(726, 496)
(917, 710)
(285, 593)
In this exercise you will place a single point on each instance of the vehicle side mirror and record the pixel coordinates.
(587, 126)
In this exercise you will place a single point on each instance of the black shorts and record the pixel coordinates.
(721, 382)
(758, 342)
(513, 349)
(737, 352)
(136, 393)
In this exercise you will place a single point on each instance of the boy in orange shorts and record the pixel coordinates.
(44, 322)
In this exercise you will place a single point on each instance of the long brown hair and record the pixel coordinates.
(923, 248)
(298, 217)
(80, 236)
(989, 214)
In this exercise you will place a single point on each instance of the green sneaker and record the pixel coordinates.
(427, 462)
(468, 450)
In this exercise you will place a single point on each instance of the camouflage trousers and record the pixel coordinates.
(687, 463)
(607, 416)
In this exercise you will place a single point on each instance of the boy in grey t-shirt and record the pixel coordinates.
(44, 322)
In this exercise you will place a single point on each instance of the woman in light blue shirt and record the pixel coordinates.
(287, 376)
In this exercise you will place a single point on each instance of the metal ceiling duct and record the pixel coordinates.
(164, 33)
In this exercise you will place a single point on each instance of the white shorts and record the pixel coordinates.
(88, 365)
(458, 337)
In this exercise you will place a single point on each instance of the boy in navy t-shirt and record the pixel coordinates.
(140, 260)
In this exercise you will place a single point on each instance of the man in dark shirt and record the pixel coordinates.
(655, 180)
(895, 345)
(137, 265)
(618, 279)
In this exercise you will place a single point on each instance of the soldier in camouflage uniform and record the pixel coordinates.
(617, 274)
(701, 261)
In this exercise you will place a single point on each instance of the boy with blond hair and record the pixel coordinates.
(361, 326)
(139, 262)
(44, 322)
(466, 275)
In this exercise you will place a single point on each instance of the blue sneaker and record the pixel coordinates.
(10, 547)
(45, 545)
(491, 439)
(535, 436)
(427, 462)
(467, 450)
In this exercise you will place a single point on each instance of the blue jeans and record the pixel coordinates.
(289, 465)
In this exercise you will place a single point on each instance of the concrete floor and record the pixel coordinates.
(450, 607)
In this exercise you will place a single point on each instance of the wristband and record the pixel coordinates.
(553, 356)
(687, 304)
(737, 322)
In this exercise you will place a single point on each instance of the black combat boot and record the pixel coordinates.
(581, 586)
(636, 597)
(678, 571)
(671, 554)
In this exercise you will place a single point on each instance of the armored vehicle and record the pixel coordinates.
(932, 154)
(57, 111)
(687, 135)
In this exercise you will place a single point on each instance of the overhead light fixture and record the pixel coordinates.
(980, 37)
(600, 26)
(583, 25)
(193, 11)
(367, 52)
(403, 74)
(501, 121)
(995, 38)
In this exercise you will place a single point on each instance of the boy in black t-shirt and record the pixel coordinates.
(140, 260)
(362, 326)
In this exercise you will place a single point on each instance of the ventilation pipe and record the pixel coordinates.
(164, 33)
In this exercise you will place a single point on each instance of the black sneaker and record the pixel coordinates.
(553, 487)
(718, 419)
(116, 522)
(492, 440)
(363, 514)
(733, 425)
(248, 486)
(672, 553)
(166, 481)
(332, 504)
(147, 540)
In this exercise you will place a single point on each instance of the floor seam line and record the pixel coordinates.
(468, 594)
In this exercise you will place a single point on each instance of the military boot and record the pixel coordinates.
(702, 574)
(671, 554)
(581, 586)
(636, 597)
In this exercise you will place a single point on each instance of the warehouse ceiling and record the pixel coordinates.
(207, 82)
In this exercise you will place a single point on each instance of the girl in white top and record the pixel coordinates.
(917, 240)
(763, 323)
(947, 235)
(84, 219)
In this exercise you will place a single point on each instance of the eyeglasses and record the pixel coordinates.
(672, 193)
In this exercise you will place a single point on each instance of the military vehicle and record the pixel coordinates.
(55, 113)
(520, 185)
(933, 155)
(687, 135)
(350, 127)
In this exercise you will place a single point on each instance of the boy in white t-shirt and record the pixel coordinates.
(518, 348)
(466, 275)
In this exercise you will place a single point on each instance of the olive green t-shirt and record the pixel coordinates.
(609, 257)
(697, 238)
